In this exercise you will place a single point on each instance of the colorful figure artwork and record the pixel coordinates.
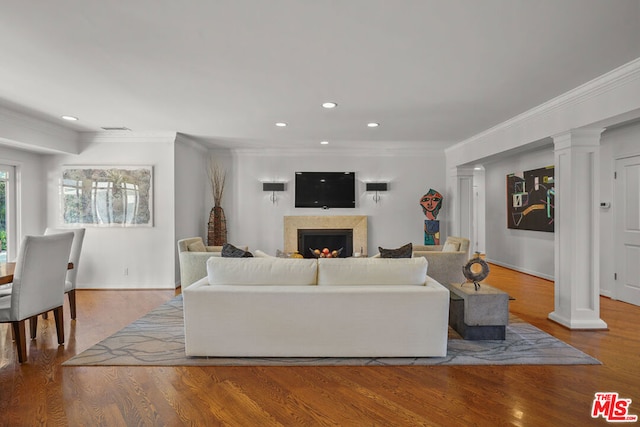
(530, 200)
(431, 204)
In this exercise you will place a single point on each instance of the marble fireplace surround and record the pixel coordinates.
(358, 223)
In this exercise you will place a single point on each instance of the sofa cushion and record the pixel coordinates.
(261, 271)
(197, 247)
(372, 271)
(230, 251)
(401, 252)
(451, 247)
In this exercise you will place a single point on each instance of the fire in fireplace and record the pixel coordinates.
(333, 239)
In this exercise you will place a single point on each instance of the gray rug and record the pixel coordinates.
(157, 339)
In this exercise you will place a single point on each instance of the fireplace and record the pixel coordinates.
(356, 223)
(333, 239)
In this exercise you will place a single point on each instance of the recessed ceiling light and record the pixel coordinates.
(70, 118)
(324, 142)
(373, 125)
(281, 124)
(329, 105)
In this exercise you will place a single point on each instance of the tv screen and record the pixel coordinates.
(325, 190)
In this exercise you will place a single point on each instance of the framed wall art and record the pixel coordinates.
(107, 196)
(530, 200)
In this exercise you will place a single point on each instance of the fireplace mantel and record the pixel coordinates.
(356, 222)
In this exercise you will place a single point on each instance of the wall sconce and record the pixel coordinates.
(376, 186)
(273, 187)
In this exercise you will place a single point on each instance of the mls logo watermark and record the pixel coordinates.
(612, 408)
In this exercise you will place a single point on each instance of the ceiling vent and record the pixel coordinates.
(115, 128)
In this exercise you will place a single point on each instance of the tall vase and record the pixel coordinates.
(217, 229)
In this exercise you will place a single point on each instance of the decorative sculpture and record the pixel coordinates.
(476, 270)
(431, 204)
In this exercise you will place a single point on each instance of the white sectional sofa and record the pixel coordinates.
(345, 307)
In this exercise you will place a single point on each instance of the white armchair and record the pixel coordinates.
(445, 261)
(193, 256)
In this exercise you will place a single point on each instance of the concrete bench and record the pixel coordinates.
(480, 314)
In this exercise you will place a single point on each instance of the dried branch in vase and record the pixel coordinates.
(217, 176)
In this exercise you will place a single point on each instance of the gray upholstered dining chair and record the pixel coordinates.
(38, 286)
(72, 274)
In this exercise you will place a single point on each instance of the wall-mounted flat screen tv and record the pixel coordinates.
(325, 190)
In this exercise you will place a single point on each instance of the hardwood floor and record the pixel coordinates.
(42, 392)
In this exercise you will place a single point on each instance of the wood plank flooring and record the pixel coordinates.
(42, 392)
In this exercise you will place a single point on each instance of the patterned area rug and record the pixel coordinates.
(157, 339)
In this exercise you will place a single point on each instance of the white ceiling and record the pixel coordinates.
(224, 71)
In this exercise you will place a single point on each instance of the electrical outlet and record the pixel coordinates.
(126, 271)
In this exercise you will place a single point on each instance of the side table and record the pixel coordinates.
(478, 314)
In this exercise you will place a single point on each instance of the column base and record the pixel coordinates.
(578, 324)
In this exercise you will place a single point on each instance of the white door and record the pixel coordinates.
(627, 190)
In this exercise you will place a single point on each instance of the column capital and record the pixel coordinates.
(589, 137)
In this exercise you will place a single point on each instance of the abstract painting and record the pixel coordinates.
(530, 200)
(107, 196)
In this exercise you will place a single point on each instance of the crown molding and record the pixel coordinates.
(607, 82)
(127, 136)
(351, 152)
(27, 133)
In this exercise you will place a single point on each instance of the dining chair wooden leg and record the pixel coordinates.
(72, 303)
(33, 326)
(20, 337)
(57, 315)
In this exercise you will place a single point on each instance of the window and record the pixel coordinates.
(7, 213)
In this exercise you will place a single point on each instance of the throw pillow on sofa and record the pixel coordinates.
(451, 247)
(261, 254)
(404, 251)
(197, 247)
(230, 251)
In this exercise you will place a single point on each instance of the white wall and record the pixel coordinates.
(31, 185)
(615, 144)
(523, 250)
(190, 189)
(148, 253)
(479, 211)
(252, 219)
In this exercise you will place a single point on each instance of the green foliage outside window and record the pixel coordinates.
(3, 216)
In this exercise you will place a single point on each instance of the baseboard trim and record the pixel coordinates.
(119, 287)
(520, 269)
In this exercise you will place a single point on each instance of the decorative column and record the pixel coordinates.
(577, 239)
(461, 202)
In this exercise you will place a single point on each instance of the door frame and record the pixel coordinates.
(12, 208)
(616, 227)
